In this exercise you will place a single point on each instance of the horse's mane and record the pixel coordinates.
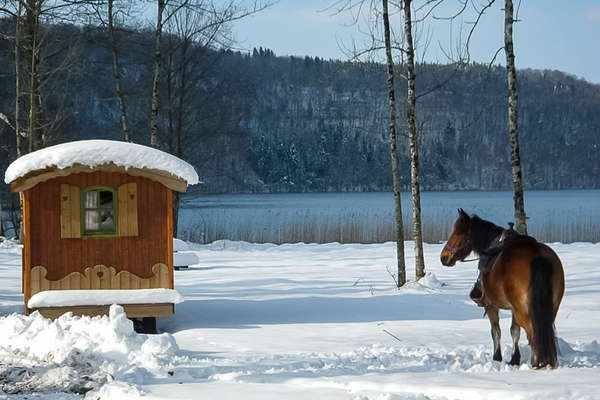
(483, 233)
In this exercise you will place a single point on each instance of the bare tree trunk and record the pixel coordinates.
(401, 280)
(117, 74)
(181, 100)
(18, 140)
(1, 219)
(32, 19)
(414, 142)
(155, 82)
(172, 130)
(18, 79)
(179, 124)
(15, 216)
(170, 117)
(513, 130)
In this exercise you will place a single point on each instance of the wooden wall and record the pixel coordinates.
(43, 245)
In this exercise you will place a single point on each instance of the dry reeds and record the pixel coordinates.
(368, 218)
(355, 227)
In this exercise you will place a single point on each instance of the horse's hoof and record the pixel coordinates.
(515, 359)
(497, 356)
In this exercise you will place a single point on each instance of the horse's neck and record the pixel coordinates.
(484, 235)
(492, 243)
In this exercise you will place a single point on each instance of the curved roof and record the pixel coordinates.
(99, 155)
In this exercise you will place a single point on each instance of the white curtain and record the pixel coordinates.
(92, 222)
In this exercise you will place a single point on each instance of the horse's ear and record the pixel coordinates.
(462, 213)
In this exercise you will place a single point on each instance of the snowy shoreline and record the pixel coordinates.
(299, 321)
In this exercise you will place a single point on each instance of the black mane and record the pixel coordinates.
(483, 233)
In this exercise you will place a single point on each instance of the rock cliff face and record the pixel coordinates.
(257, 122)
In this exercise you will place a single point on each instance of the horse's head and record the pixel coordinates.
(458, 246)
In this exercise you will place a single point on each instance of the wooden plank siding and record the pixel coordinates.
(43, 245)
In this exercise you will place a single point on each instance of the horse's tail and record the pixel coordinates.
(541, 310)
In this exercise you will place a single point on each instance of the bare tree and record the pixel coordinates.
(109, 14)
(33, 10)
(117, 70)
(227, 12)
(193, 27)
(401, 278)
(191, 34)
(156, 77)
(513, 101)
(30, 49)
(413, 139)
(1, 219)
(18, 23)
(1, 194)
(406, 47)
(513, 129)
(374, 45)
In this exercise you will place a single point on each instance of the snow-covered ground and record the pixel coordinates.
(301, 321)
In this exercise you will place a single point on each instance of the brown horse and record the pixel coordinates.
(527, 278)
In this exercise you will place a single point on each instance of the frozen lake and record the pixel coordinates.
(554, 216)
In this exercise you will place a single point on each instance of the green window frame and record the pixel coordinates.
(99, 212)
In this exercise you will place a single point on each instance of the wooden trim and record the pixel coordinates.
(70, 213)
(132, 209)
(26, 239)
(128, 209)
(169, 238)
(65, 211)
(33, 178)
(132, 310)
(75, 193)
(99, 277)
(122, 198)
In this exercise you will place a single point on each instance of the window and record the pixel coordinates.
(99, 209)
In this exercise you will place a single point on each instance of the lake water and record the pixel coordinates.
(554, 216)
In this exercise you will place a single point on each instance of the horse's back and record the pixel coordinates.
(510, 279)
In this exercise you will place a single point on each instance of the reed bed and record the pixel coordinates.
(350, 226)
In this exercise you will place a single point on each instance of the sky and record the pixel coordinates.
(560, 35)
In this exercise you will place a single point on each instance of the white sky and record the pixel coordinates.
(551, 35)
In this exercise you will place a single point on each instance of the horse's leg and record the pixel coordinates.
(521, 317)
(515, 332)
(492, 313)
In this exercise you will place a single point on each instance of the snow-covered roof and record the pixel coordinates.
(66, 298)
(95, 153)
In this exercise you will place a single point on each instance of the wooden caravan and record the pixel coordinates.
(97, 217)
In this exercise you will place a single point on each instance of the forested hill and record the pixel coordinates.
(258, 122)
